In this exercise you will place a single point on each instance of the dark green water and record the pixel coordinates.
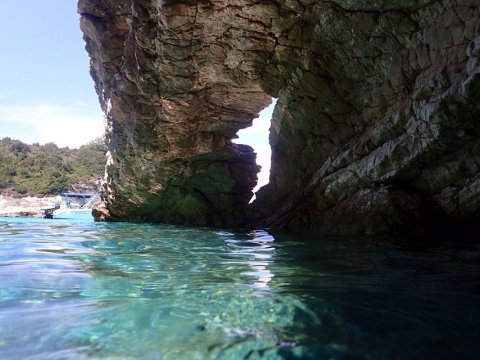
(84, 290)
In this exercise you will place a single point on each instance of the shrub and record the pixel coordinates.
(48, 169)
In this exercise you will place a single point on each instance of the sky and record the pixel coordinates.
(257, 137)
(46, 92)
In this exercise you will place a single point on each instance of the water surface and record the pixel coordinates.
(85, 290)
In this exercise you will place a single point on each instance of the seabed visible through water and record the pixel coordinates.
(86, 290)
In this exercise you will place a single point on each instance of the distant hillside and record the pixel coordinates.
(47, 169)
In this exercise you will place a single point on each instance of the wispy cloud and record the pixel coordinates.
(66, 125)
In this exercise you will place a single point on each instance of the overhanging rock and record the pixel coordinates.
(377, 117)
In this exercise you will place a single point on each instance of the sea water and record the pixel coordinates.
(86, 290)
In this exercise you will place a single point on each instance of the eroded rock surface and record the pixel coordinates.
(376, 128)
(177, 80)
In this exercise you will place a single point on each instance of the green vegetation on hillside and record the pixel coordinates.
(47, 169)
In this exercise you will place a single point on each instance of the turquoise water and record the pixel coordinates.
(85, 290)
(75, 216)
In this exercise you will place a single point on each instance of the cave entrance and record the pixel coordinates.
(257, 137)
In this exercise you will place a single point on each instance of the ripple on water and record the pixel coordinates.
(130, 291)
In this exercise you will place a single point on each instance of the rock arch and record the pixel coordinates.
(375, 128)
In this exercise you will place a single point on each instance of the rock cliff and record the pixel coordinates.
(376, 128)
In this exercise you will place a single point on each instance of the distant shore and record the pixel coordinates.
(27, 206)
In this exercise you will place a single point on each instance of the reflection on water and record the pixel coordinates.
(128, 291)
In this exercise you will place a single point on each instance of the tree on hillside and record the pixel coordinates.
(47, 169)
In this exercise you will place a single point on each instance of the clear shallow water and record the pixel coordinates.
(84, 290)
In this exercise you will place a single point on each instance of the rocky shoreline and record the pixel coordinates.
(27, 206)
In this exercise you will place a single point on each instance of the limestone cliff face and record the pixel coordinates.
(177, 80)
(376, 127)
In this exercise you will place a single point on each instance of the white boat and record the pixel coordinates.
(75, 206)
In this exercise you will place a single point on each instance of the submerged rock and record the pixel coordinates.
(375, 130)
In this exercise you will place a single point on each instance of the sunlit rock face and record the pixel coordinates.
(177, 80)
(376, 128)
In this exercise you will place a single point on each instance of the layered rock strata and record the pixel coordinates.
(177, 80)
(375, 130)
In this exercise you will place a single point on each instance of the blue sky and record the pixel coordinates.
(46, 92)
